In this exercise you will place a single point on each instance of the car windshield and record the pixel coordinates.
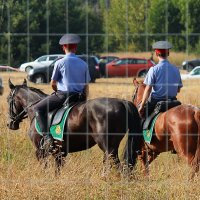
(43, 58)
(51, 58)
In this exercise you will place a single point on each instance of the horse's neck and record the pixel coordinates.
(29, 99)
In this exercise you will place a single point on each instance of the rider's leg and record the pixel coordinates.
(42, 109)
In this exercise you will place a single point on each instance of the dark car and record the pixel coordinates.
(128, 67)
(1, 86)
(93, 65)
(190, 64)
(43, 74)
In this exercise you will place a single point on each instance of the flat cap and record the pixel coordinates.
(69, 39)
(162, 45)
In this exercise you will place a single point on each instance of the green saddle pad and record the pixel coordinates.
(56, 130)
(148, 133)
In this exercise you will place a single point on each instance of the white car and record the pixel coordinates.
(194, 74)
(42, 61)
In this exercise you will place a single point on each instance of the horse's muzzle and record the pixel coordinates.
(13, 125)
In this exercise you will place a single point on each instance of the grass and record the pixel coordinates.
(23, 177)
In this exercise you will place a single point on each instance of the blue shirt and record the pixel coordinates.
(165, 80)
(71, 74)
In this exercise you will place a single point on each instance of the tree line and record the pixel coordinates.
(31, 28)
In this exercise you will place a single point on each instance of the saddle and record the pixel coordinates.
(161, 106)
(56, 115)
(57, 118)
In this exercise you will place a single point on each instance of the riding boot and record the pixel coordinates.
(47, 140)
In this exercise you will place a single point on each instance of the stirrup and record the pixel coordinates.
(46, 144)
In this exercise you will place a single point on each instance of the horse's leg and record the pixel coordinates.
(59, 160)
(110, 160)
(146, 157)
(196, 161)
(112, 155)
(41, 157)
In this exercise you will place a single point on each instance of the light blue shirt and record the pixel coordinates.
(71, 74)
(165, 80)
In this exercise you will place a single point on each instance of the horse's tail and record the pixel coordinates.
(196, 161)
(135, 138)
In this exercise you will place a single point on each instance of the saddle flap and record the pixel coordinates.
(58, 116)
(148, 132)
(148, 120)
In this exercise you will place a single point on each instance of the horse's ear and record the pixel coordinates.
(10, 84)
(25, 82)
(135, 82)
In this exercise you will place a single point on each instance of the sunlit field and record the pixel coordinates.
(23, 177)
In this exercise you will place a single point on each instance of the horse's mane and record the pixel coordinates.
(36, 90)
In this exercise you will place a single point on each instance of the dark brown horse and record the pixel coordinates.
(177, 129)
(102, 121)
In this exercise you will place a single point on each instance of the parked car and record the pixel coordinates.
(194, 74)
(1, 86)
(103, 61)
(128, 67)
(93, 65)
(43, 74)
(107, 59)
(190, 64)
(42, 61)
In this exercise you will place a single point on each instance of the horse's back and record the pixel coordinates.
(180, 126)
(103, 114)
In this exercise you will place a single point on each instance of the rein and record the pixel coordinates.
(135, 99)
(23, 114)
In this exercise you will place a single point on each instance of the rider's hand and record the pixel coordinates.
(141, 111)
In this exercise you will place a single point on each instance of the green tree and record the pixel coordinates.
(32, 28)
(190, 21)
(164, 22)
(124, 23)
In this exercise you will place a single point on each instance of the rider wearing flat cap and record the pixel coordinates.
(70, 76)
(163, 81)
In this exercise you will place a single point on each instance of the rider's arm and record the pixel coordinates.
(54, 85)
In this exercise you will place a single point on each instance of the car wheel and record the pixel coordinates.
(93, 80)
(142, 73)
(28, 68)
(39, 78)
(1, 91)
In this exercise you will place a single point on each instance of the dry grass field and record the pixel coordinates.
(22, 177)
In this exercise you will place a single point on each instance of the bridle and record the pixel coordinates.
(134, 97)
(23, 114)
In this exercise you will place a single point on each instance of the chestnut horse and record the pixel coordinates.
(177, 129)
(102, 121)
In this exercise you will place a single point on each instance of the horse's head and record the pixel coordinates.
(15, 102)
(138, 92)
